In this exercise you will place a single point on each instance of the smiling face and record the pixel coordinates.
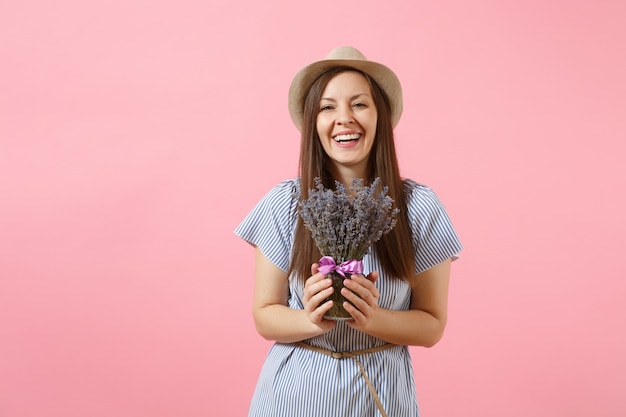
(346, 124)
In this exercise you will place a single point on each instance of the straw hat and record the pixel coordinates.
(344, 56)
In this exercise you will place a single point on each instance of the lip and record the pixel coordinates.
(347, 144)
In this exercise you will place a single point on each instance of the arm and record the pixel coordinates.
(422, 325)
(273, 319)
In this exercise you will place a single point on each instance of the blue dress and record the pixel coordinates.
(298, 382)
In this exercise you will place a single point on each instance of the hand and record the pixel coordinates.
(363, 295)
(316, 289)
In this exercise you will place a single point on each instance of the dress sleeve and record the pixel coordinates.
(270, 224)
(434, 237)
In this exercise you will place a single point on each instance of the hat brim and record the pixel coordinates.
(384, 77)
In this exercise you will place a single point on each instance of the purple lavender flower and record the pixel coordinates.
(345, 224)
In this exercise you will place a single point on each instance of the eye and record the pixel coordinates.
(326, 107)
(359, 105)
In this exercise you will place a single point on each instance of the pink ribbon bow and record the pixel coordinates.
(327, 264)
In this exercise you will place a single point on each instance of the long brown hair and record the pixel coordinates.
(395, 249)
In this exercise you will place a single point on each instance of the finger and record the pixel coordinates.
(373, 276)
(322, 323)
(313, 279)
(318, 297)
(362, 303)
(367, 282)
(317, 312)
(317, 282)
(323, 309)
(357, 315)
(317, 288)
(362, 286)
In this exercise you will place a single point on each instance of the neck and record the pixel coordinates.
(345, 174)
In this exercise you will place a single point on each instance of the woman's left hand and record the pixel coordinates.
(363, 295)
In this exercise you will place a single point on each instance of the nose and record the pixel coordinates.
(345, 115)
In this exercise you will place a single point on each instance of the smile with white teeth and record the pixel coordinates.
(347, 138)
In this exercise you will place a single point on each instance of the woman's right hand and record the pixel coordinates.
(273, 318)
(316, 289)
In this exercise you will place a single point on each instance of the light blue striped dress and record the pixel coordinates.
(297, 382)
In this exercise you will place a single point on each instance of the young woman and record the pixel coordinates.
(346, 108)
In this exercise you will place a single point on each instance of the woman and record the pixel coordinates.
(346, 108)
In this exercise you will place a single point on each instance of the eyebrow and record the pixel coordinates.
(351, 98)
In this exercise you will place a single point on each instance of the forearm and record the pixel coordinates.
(284, 324)
(410, 327)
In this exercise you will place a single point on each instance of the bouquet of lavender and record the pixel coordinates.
(343, 226)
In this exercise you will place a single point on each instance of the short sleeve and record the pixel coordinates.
(270, 224)
(434, 237)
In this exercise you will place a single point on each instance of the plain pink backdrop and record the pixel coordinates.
(135, 135)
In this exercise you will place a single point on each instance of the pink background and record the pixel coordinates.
(135, 135)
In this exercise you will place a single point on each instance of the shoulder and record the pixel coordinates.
(292, 185)
(433, 233)
(269, 226)
(422, 202)
(286, 190)
(281, 202)
(417, 193)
